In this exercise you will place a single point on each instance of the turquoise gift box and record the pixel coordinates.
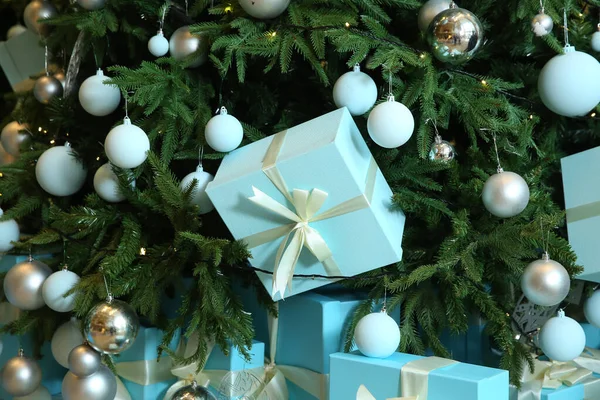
(52, 372)
(354, 228)
(153, 379)
(382, 377)
(582, 202)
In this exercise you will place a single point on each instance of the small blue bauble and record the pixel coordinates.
(562, 338)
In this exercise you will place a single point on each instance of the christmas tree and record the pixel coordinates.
(476, 107)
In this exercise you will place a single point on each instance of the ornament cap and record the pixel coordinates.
(569, 49)
(126, 121)
(199, 168)
(391, 98)
(500, 170)
(21, 353)
(453, 5)
(356, 67)
(560, 313)
(160, 33)
(109, 298)
(546, 256)
(65, 267)
(67, 144)
(222, 111)
(99, 72)
(598, 27)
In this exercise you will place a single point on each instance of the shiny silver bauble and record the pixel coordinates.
(111, 326)
(35, 11)
(61, 78)
(264, 9)
(21, 376)
(429, 11)
(91, 4)
(193, 392)
(455, 35)
(84, 361)
(505, 194)
(542, 24)
(441, 150)
(101, 385)
(23, 284)
(182, 44)
(545, 282)
(46, 88)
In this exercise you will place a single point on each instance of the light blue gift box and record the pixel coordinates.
(145, 347)
(327, 153)
(592, 335)
(52, 372)
(582, 202)
(382, 377)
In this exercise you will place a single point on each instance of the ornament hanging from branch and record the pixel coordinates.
(441, 150)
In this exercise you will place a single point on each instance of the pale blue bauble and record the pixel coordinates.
(377, 335)
(356, 91)
(158, 45)
(562, 338)
(224, 132)
(390, 124)
(199, 196)
(596, 40)
(592, 309)
(568, 84)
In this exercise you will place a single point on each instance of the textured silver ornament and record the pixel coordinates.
(441, 150)
(46, 88)
(505, 194)
(545, 282)
(91, 4)
(101, 385)
(542, 24)
(111, 326)
(23, 284)
(455, 35)
(84, 361)
(429, 11)
(182, 44)
(242, 385)
(35, 11)
(193, 392)
(264, 9)
(21, 375)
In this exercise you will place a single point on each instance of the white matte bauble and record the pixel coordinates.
(596, 40)
(390, 124)
(91, 4)
(5, 157)
(41, 393)
(9, 232)
(84, 361)
(11, 137)
(562, 338)
(106, 184)
(127, 145)
(158, 45)
(55, 288)
(182, 44)
(99, 386)
(46, 88)
(356, 91)
(59, 172)
(65, 339)
(23, 284)
(545, 282)
(264, 9)
(429, 11)
(15, 30)
(199, 196)
(224, 132)
(35, 11)
(377, 335)
(591, 309)
(505, 194)
(568, 84)
(97, 98)
(21, 376)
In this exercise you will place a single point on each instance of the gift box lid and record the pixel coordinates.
(235, 361)
(20, 57)
(578, 171)
(145, 345)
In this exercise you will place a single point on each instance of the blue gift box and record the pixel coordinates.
(52, 372)
(592, 335)
(382, 377)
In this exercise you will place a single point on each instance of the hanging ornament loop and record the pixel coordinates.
(46, 60)
(566, 28)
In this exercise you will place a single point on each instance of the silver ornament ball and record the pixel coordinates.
(111, 326)
(193, 392)
(23, 284)
(101, 385)
(505, 194)
(596, 40)
(441, 150)
(264, 9)
(61, 78)
(21, 376)
(84, 361)
(182, 44)
(11, 137)
(545, 282)
(46, 88)
(35, 11)
(455, 35)
(429, 11)
(542, 24)
(91, 4)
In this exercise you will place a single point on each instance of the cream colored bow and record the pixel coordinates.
(364, 394)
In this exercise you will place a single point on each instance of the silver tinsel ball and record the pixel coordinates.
(23, 284)
(91, 4)
(46, 88)
(505, 194)
(111, 326)
(101, 385)
(542, 24)
(441, 150)
(455, 35)
(11, 137)
(84, 361)
(21, 376)
(182, 44)
(429, 11)
(39, 10)
(193, 392)
(264, 9)
(545, 282)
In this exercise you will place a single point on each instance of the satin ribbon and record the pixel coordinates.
(582, 212)
(414, 376)
(364, 394)
(299, 234)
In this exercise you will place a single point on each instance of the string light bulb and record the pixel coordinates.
(347, 24)
(142, 251)
(228, 9)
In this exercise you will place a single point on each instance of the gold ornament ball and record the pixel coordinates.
(183, 44)
(455, 35)
(35, 11)
(111, 326)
